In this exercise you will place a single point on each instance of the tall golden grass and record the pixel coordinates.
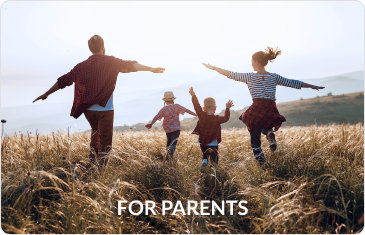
(314, 183)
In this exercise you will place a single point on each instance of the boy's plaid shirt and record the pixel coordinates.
(95, 80)
(209, 126)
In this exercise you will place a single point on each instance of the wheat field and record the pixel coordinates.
(314, 183)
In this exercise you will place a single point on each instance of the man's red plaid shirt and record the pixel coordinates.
(209, 126)
(262, 113)
(95, 80)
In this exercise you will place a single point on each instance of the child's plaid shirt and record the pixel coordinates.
(95, 80)
(209, 126)
(170, 114)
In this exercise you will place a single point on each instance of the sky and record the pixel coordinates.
(317, 38)
(42, 40)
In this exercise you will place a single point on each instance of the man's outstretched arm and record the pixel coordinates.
(54, 88)
(140, 67)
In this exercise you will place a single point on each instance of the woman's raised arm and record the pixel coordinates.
(219, 70)
(306, 85)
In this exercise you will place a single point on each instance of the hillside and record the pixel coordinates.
(328, 109)
(337, 109)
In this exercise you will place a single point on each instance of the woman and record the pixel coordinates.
(263, 114)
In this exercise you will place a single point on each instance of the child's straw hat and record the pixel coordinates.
(168, 96)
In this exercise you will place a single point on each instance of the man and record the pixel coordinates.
(95, 80)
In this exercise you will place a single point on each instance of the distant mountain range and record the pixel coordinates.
(141, 106)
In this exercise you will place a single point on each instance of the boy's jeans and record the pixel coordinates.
(172, 139)
(256, 143)
(210, 151)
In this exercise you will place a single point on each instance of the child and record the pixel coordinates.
(209, 127)
(171, 123)
(263, 114)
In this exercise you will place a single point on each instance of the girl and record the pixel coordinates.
(171, 123)
(263, 114)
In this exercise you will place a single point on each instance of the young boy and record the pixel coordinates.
(209, 127)
(171, 123)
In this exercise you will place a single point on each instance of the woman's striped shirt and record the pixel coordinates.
(264, 86)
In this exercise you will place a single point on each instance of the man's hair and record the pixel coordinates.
(95, 43)
(209, 103)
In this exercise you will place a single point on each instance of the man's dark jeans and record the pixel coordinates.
(101, 123)
(256, 143)
(172, 139)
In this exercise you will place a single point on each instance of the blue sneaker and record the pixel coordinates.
(204, 164)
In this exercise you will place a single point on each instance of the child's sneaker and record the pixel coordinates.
(204, 164)
(271, 138)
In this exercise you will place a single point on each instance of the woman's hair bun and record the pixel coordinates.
(263, 57)
(272, 53)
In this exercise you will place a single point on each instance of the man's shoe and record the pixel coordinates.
(271, 138)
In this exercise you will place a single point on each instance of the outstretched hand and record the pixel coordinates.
(148, 126)
(209, 66)
(43, 97)
(229, 104)
(158, 70)
(191, 91)
(317, 87)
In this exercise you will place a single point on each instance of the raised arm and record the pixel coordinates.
(54, 88)
(294, 83)
(227, 112)
(194, 99)
(306, 85)
(219, 70)
(148, 126)
(159, 116)
(140, 67)
(240, 77)
(62, 82)
(190, 112)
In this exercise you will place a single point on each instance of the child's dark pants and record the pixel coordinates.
(256, 143)
(210, 151)
(172, 139)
